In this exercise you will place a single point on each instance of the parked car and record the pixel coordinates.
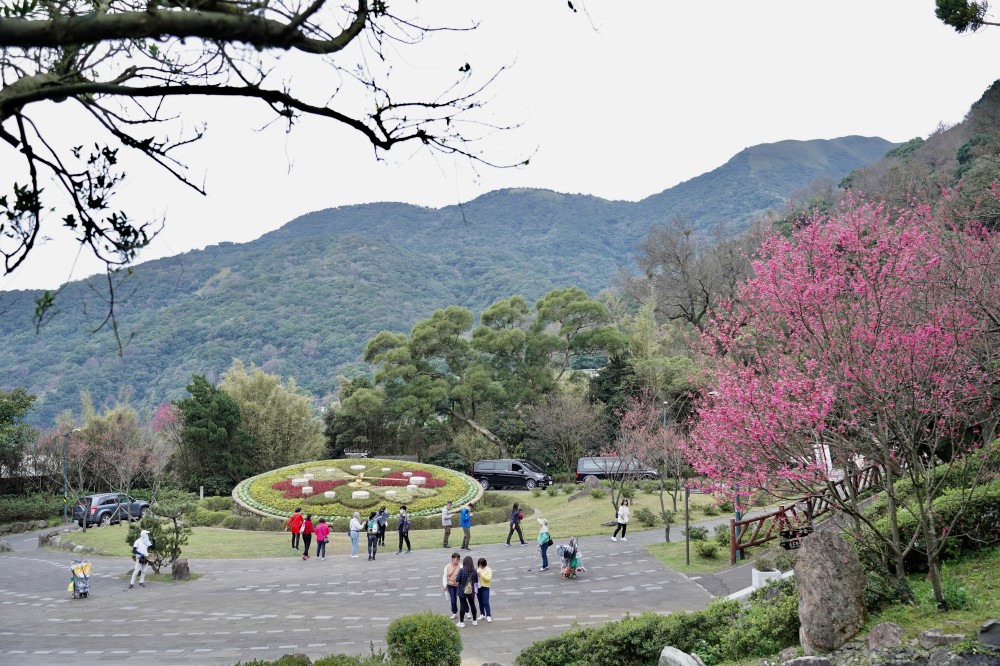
(610, 467)
(509, 474)
(106, 508)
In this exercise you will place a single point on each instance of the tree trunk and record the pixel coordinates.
(493, 439)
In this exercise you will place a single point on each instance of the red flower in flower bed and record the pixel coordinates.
(391, 482)
(291, 492)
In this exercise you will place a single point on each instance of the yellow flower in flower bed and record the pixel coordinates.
(354, 484)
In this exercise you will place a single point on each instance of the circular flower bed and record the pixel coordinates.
(337, 487)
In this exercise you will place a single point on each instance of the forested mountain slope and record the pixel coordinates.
(302, 301)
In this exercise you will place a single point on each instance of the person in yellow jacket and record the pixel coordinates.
(485, 578)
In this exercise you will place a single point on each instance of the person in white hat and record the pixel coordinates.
(140, 548)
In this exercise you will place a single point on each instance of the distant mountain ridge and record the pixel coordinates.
(301, 301)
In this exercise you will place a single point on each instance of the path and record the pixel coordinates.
(264, 608)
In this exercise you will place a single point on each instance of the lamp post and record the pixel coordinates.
(66, 471)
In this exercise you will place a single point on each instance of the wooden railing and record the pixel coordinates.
(792, 523)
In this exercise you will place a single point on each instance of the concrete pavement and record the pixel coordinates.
(263, 608)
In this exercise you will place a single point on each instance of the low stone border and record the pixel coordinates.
(58, 540)
(23, 526)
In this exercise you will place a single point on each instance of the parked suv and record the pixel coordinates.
(106, 508)
(509, 474)
(609, 467)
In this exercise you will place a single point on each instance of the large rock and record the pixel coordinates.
(671, 656)
(590, 482)
(944, 657)
(180, 569)
(831, 584)
(989, 633)
(5, 547)
(808, 661)
(886, 634)
(788, 654)
(933, 638)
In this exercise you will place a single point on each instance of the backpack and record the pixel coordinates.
(468, 586)
(373, 526)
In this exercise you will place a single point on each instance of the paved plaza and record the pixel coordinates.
(263, 608)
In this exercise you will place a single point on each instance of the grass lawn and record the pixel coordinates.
(581, 517)
(973, 578)
(673, 555)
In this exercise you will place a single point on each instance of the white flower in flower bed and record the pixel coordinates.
(386, 469)
(357, 468)
(390, 493)
(411, 488)
(407, 474)
(307, 490)
(331, 469)
(330, 494)
(359, 494)
(418, 480)
(308, 476)
(299, 482)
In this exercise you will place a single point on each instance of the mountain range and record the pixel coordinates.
(302, 301)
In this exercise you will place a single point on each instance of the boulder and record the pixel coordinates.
(886, 634)
(5, 547)
(944, 657)
(787, 654)
(590, 482)
(831, 584)
(808, 661)
(989, 633)
(933, 638)
(671, 656)
(180, 569)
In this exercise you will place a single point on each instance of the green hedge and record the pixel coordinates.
(15, 508)
(724, 631)
(424, 639)
(217, 503)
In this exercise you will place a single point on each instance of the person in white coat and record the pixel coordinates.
(622, 521)
(140, 549)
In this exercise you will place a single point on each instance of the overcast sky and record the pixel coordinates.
(621, 101)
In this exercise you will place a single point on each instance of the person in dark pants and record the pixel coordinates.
(403, 527)
(467, 580)
(515, 524)
(622, 521)
(465, 520)
(383, 520)
(372, 535)
(449, 582)
(544, 541)
(307, 535)
(446, 521)
(485, 578)
(294, 524)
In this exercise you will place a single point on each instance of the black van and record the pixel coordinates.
(607, 467)
(509, 474)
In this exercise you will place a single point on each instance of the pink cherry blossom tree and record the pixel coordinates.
(865, 338)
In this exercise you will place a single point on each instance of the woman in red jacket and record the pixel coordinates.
(307, 535)
(294, 524)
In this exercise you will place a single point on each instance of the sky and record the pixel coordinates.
(617, 100)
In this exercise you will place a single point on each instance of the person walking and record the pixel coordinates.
(622, 520)
(465, 520)
(403, 527)
(483, 594)
(322, 538)
(467, 580)
(446, 522)
(307, 535)
(383, 520)
(294, 524)
(515, 525)
(544, 541)
(449, 582)
(140, 549)
(354, 531)
(372, 535)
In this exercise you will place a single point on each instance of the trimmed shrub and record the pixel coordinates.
(770, 623)
(424, 639)
(722, 535)
(536, 492)
(710, 510)
(217, 503)
(15, 508)
(598, 493)
(374, 659)
(697, 533)
(271, 524)
(646, 517)
(726, 506)
(232, 522)
(707, 549)
(207, 518)
(552, 490)
(250, 523)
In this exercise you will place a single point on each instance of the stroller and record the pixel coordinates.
(572, 561)
(80, 578)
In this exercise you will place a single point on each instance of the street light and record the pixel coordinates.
(66, 471)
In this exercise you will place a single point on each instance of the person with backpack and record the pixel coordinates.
(294, 524)
(372, 535)
(485, 578)
(354, 531)
(467, 580)
(622, 521)
(307, 535)
(403, 527)
(383, 520)
(515, 525)
(449, 582)
(322, 538)
(544, 541)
